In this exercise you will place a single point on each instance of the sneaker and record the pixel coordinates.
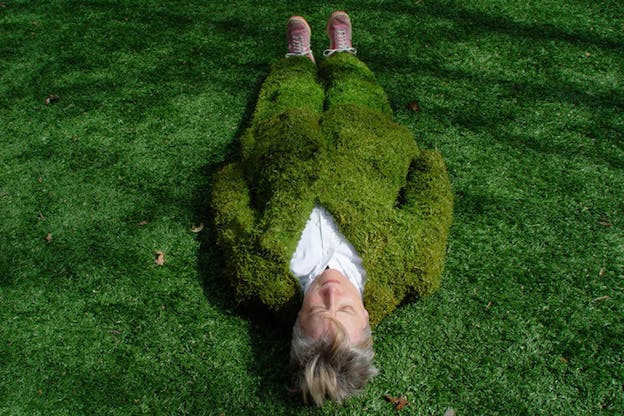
(299, 33)
(339, 33)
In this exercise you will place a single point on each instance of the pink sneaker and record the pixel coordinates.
(299, 33)
(339, 33)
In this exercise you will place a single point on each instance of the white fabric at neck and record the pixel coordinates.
(322, 246)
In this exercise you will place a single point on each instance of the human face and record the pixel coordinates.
(332, 295)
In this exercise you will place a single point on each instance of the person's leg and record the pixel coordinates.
(292, 82)
(285, 125)
(358, 118)
(283, 134)
(347, 79)
(370, 152)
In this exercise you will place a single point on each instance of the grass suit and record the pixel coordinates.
(326, 136)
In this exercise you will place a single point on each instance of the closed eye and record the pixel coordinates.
(317, 309)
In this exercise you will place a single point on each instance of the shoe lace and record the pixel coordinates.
(342, 43)
(341, 39)
(298, 45)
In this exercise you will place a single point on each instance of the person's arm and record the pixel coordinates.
(425, 212)
(412, 259)
(233, 216)
(258, 274)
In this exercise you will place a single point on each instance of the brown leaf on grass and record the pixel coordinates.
(402, 403)
(48, 238)
(160, 258)
(449, 412)
(142, 223)
(604, 223)
(601, 298)
(393, 400)
(398, 402)
(197, 228)
(51, 99)
(413, 105)
(602, 272)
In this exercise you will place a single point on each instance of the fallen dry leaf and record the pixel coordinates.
(601, 298)
(605, 223)
(602, 271)
(393, 400)
(449, 412)
(142, 223)
(197, 228)
(51, 99)
(49, 238)
(398, 402)
(160, 258)
(402, 403)
(413, 105)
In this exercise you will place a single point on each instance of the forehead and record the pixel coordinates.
(318, 324)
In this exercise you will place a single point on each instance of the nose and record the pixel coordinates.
(330, 292)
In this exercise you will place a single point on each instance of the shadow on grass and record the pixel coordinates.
(269, 338)
(471, 22)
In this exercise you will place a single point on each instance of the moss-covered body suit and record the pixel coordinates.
(327, 137)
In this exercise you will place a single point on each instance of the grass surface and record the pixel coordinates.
(524, 99)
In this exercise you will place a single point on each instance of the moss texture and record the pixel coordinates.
(326, 136)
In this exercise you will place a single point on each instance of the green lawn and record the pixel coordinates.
(525, 100)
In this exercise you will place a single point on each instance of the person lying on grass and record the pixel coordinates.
(331, 213)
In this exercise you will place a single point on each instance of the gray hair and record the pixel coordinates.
(330, 366)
